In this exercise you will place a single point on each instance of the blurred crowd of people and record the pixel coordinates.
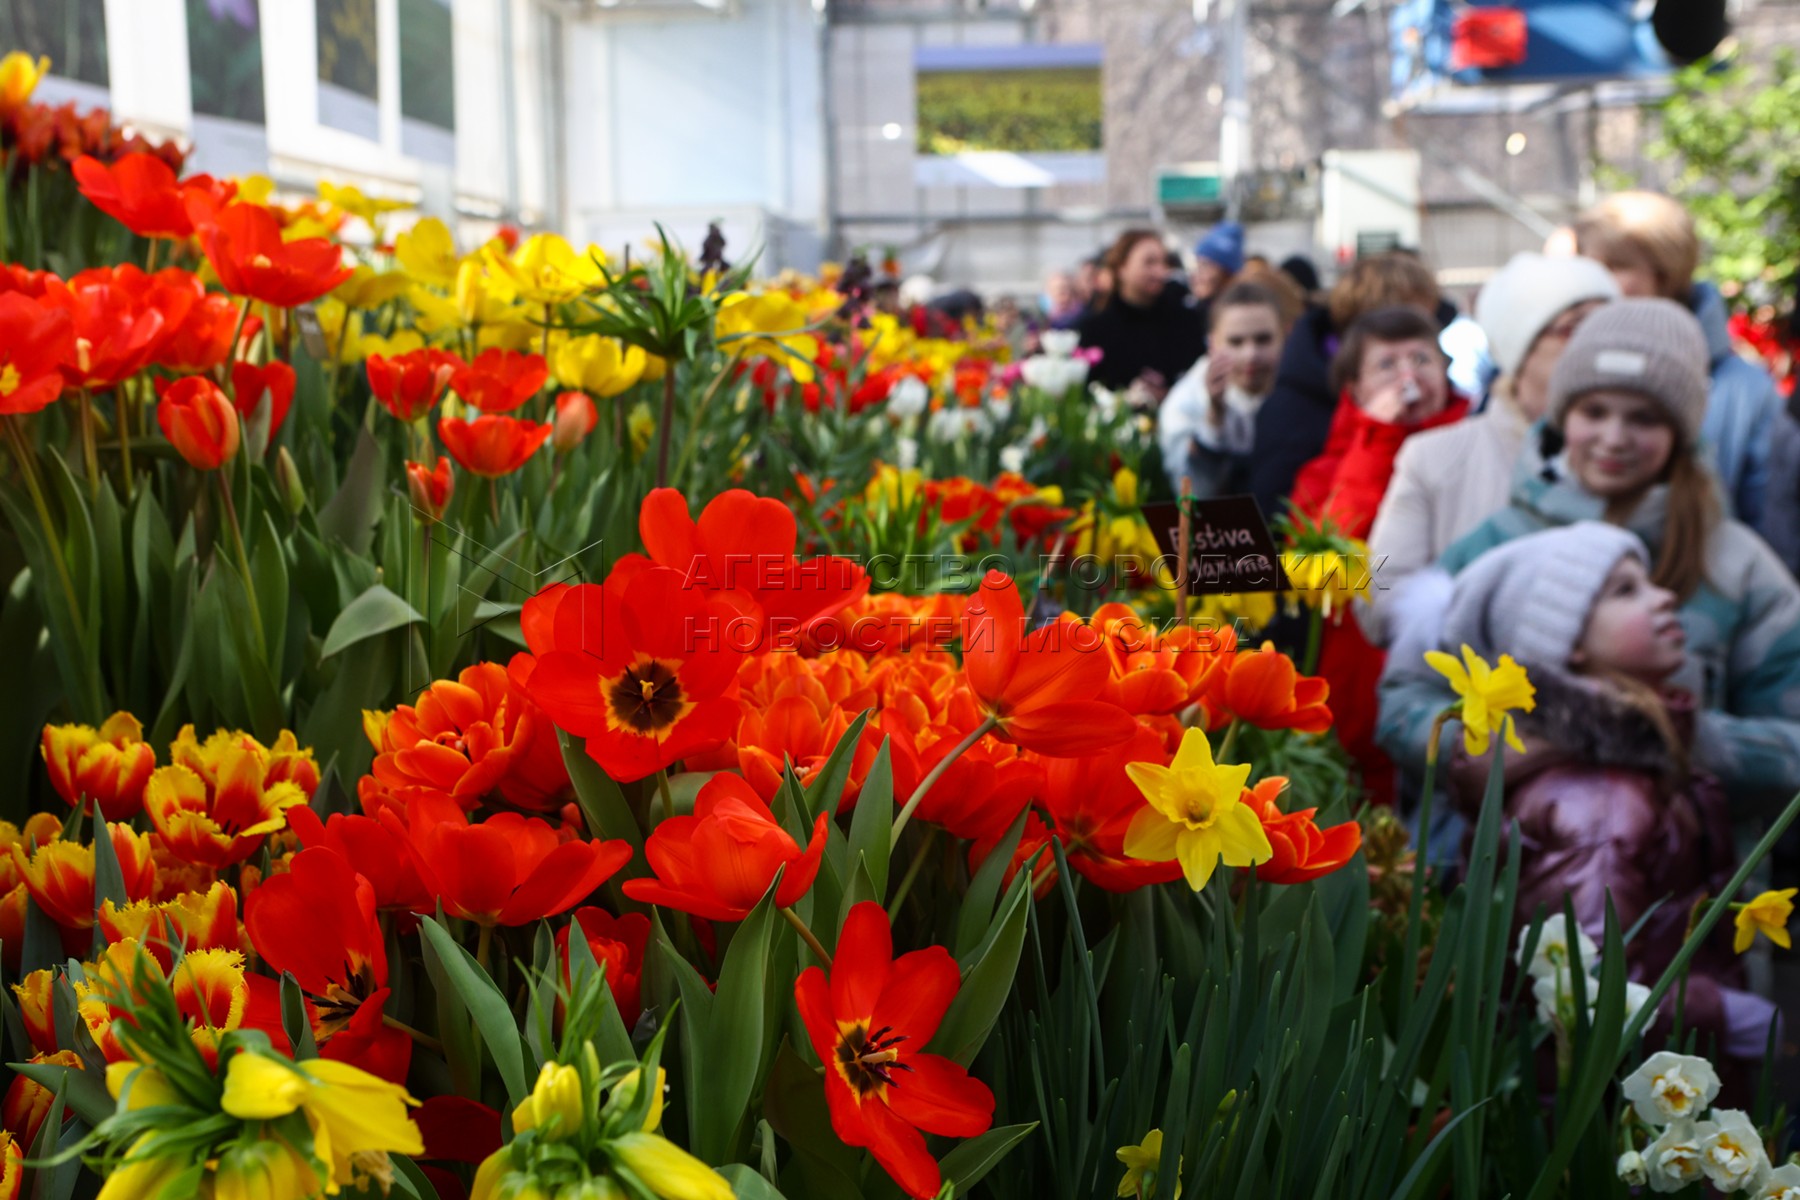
(1596, 472)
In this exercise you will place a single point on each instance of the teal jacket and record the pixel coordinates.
(1743, 632)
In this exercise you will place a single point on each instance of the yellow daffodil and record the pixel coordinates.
(255, 189)
(1488, 694)
(1141, 1162)
(668, 1170)
(1768, 915)
(19, 75)
(768, 323)
(601, 366)
(641, 426)
(367, 288)
(427, 252)
(554, 1106)
(1254, 609)
(1195, 814)
(545, 269)
(893, 485)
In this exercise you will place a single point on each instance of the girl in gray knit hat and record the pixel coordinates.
(1606, 801)
(1621, 445)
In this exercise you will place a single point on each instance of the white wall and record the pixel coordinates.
(684, 119)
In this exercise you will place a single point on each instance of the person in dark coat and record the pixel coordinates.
(1145, 331)
(1294, 422)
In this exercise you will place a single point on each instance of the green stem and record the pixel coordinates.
(912, 871)
(89, 455)
(150, 256)
(806, 935)
(693, 432)
(424, 1039)
(126, 406)
(236, 334)
(1314, 632)
(937, 773)
(484, 944)
(662, 430)
(1231, 732)
(53, 540)
(243, 558)
(668, 794)
(1415, 904)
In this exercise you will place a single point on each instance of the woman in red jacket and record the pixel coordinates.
(1393, 382)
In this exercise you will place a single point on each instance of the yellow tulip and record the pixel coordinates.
(1195, 814)
(545, 269)
(602, 366)
(627, 1089)
(668, 1170)
(19, 75)
(1488, 694)
(770, 324)
(354, 201)
(427, 252)
(554, 1107)
(367, 288)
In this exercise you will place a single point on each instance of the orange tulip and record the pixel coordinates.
(718, 863)
(36, 995)
(191, 920)
(409, 384)
(575, 419)
(1303, 851)
(214, 804)
(243, 243)
(1038, 686)
(27, 1102)
(430, 490)
(492, 446)
(60, 877)
(107, 766)
(116, 327)
(249, 382)
(1264, 689)
(12, 1167)
(199, 421)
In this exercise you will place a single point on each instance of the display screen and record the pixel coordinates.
(1013, 99)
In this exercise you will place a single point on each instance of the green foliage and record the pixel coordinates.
(1025, 111)
(1729, 131)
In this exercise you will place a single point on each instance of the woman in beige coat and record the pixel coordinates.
(1447, 481)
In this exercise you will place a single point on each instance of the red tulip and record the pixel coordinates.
(1303, 851)
(508, 870)
(409, 384)
(198, 420)
(203, 339)
(644, 670)
(1092, 800)
(575, 419)
(316, 922)
(1265, 689)
(719, 863)
(1039, 686)
(492, 446)
(869, 1023)
(115, 333)
(249, 382)
(431, 490)
(138, 190)
(498, 381)
(373, 851)
(245, 248)
(36, 340)
(618, 944)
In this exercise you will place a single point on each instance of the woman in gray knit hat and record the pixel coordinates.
(1621, 445)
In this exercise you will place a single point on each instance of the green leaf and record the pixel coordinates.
(411, 1177)
(872, 824)
(734, 1034)
(746, 1184)
(602, 804)
(294, 1021)
(350, 515)
(83, 1090)
(971, 1160)
(493, 1016)
(585, 971)
(988, 980)
(823, 793)
(977, 910)
(269, 576)
(374, 612)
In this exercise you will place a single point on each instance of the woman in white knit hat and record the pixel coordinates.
(1622, 444)
(1447, 481)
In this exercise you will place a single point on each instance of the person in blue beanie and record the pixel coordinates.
(1218, 256)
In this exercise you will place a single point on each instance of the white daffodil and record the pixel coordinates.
(1674, 1158)
(1671, 1087)
(1553, 947)
(908, 397)
(1732, 1155)
(1632, 1172)
(1781, 1183)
